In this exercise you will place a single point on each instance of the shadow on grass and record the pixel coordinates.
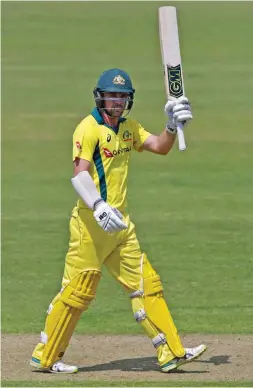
(143, 364)
(216, 360)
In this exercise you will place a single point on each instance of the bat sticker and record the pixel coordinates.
(175, 81)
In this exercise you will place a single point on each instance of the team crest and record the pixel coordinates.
(118, 80)
(127, 136)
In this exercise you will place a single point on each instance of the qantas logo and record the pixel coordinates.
(121, 151)
(108, 153)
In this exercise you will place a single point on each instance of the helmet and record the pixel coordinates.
(114, 80)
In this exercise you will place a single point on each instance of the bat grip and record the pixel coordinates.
(180, 136)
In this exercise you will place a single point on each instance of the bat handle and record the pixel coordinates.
(180, 136)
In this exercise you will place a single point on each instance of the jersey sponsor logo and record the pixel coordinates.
(111, 154)
(121, 151)
(107, 153)
(127, 136)
(78, 145)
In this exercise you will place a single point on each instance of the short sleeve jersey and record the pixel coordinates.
(109, 152)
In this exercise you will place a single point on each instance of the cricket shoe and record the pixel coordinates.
(57, 367)
(190, 355)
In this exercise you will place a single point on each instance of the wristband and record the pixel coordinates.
(171, 130)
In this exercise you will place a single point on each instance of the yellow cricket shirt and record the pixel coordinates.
(109, 152)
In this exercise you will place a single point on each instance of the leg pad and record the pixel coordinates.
(152, 312)
(64, 314)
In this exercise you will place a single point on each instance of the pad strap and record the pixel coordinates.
(140, 315)
(136, 294)
(160, 339)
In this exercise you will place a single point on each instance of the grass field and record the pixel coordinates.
(193, 210)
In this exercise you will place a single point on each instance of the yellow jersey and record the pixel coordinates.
(109, 151)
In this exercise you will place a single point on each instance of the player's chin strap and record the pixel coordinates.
(151, 311)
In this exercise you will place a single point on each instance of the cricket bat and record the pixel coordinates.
(171, 58)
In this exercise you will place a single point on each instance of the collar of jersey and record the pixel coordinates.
(99, 119)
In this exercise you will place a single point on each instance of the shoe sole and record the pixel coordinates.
(63, 373)
(180, 363)
(192, 358)
(48, 370)
(38, 366)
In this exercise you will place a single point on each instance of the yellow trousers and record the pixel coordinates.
(89, 248)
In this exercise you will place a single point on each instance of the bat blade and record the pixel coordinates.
(171, 58)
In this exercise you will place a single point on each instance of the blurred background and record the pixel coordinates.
(192, 210)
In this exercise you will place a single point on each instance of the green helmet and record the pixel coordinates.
(114, 80)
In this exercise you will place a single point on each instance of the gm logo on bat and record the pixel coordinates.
(175, 81)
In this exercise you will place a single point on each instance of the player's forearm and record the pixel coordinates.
(160, 144)
(164, 142)
(86, 189)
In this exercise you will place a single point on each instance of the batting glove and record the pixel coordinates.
(108, 218)
(179, 111)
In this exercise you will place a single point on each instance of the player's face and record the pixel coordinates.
(115, 102)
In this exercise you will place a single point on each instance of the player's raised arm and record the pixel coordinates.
(161, 144)
(179, 112)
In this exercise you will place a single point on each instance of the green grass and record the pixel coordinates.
(193, 210)
(9, 383)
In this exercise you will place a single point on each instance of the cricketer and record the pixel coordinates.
(101, 231)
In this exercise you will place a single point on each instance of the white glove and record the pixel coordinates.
(108, 218)
(179, 111)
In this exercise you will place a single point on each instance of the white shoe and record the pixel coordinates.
(57, 367)
(61, 367)
(190, 355)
